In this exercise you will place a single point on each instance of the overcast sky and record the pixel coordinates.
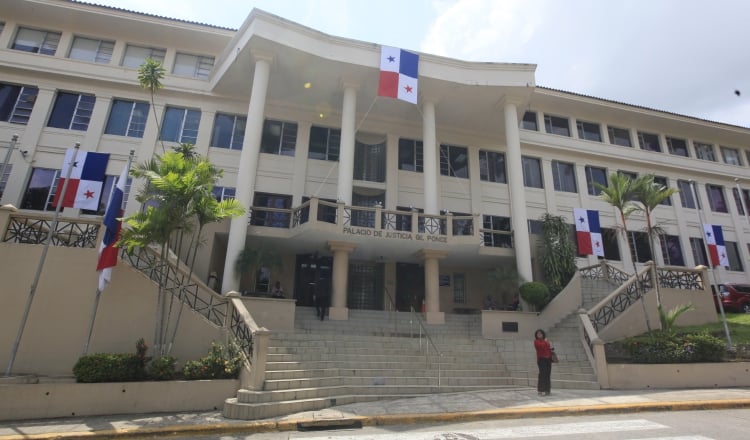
(682, 56)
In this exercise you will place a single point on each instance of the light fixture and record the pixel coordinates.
(308, 85)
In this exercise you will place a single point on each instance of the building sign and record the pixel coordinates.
(394, 235)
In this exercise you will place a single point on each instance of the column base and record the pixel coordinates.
(338, 313)
(435, 317)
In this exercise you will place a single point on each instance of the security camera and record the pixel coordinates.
(24, 153)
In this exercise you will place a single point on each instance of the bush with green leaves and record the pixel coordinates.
(220, 363)
(113, 367)
(162, 368)
(664, 348)
(535, 293)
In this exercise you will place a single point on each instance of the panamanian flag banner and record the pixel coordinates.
(399, 70)
(588, 232)
(715, 244)
(112, 223)
(86, 180)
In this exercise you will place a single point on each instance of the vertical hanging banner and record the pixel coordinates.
(399, 72)
(588, 232)
(715, 243)
(86, 180)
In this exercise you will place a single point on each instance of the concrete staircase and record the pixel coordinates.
(378, 355)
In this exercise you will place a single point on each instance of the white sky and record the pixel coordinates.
(682, 56)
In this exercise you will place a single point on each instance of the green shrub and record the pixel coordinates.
(112, 367)
(221, 363)
(535, 293)
(661, 348)
(162, 368)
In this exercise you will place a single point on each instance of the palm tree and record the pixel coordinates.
(650, 195)
(150, 74)
(620, 192)
(251, 260)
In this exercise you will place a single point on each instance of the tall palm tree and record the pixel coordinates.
(620, 192)
(150, 74)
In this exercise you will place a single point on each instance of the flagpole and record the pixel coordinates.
(11, 147)
(43, 257)
(717, 292)
(98, 290)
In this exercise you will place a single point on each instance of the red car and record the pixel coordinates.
(735, 297)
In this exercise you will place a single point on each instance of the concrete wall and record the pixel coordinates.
(706, 375)
(275, 314)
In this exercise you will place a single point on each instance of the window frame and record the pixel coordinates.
(736, 159)
(286, 144)
(199, 68)
(616, 138)
(449, 158)
(668, 243)
(50, 43)
(675, 150)
(553, 125)
(331, 147)
(713, 204)
(101, 55)
(562, 181)
(129, 61)
(593, 190)
(686, 190)
(236, 135)
(590, 131)
(135, 125)
(644, 142)
(186, 133)
(20, 111)
(77, 118)
(526, 162)
(529, 121)
(410, 155)
(490, 174)
(734, 255)
(704, 151)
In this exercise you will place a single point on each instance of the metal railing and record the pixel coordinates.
(34, 228)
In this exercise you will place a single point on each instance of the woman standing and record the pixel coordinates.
(544, 362)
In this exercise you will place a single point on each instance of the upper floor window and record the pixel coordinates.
(699, 251)
(532, 172)
(36, 41)
(410, 155)
(704, 151)
(609, 242)
(279, 137)
(733, 254)
(71, 111)
(490, 235)
(589, 131)
(325, 143)
(370, 165)
(716, 199)
(731, 156)
(492, 166)
(136, 55)
(660, 180)
(194, 66)
(454, 161)
(557, 125)
(678, 147)
(640, 245)
(619, 136)
(649, 141)
(564, 176)
(595, 175)
(92, 50)
(180, 125)
(529, 121)
(629, 174)
(229, 131)
(16, 103)
(671, 250)
(738, 201)
(686, 194)
(224, 192)
(127, 118)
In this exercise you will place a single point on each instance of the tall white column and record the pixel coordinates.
(518, 215)
(346, 152)
(341, 250)
(247, 171)
(432, 285)
(430, 159)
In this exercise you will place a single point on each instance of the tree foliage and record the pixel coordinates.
(558, 252)
(150, 75)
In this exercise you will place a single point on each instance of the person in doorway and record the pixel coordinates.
(321, 301)
(543, 361)
(277, 291)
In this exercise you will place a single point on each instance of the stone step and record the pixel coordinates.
(376, 372)
(405, 381)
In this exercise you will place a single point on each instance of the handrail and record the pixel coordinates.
(33, 228)
(620, 299)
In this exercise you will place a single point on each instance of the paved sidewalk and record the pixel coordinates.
(454, 407)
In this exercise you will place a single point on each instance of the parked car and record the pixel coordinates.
(735, 297)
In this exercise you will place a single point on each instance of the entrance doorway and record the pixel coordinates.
(409, 286)
(311, 272)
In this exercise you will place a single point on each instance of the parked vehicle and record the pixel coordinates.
(735, 297)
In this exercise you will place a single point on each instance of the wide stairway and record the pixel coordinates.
(378, 355)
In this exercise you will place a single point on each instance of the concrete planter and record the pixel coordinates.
(56, 399)
(700, 375)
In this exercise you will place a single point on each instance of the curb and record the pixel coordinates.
(392, 419)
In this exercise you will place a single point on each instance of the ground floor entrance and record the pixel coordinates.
(409, 287)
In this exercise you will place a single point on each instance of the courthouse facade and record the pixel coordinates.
(375, 200)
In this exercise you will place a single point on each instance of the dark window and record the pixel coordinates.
(557, 125)
(716, 199)
(686, 194)
(564, 176)
(71, 111)
(410, 155)
(746, 200)
(649, 141)
(325, 143)
(36, 41)
(224, 192)
(678, 147)
(40, 190)
(180, 125)
(529, 121)
(611, 247)
(595, 175)
(16, 103)
(532, 172)
(459, 288)
(589, 131)
(279, 137)
(671, 250)
(640, 246)
(699, 251)
(271, 210)
(659, 180)
(454, 161)
(491, 225)
(369, 161)
(733, 253)
(619, 136)
(127, 118)
(731, 156)
(535, 227)
(492, 166)
(229, 131)
(738, 201)
(704, 151)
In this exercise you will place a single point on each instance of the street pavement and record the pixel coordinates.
(439, 408)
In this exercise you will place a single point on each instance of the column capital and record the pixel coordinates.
(349, 83)
(341, 246)
(513, 100)
(431, 253)
(262, 55)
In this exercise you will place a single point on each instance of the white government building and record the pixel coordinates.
(366, 196)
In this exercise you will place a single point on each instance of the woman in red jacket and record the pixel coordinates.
(543, 361)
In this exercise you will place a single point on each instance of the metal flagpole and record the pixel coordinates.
(39, 267)
(717, 292)
(98, 289)
(11, 147)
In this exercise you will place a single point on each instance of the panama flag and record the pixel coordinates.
(715, 242)
(86, 180)
(112, 224)
(588, 232)
(399, 70)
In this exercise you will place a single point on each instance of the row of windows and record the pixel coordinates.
(99, 51)
(591, 131)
